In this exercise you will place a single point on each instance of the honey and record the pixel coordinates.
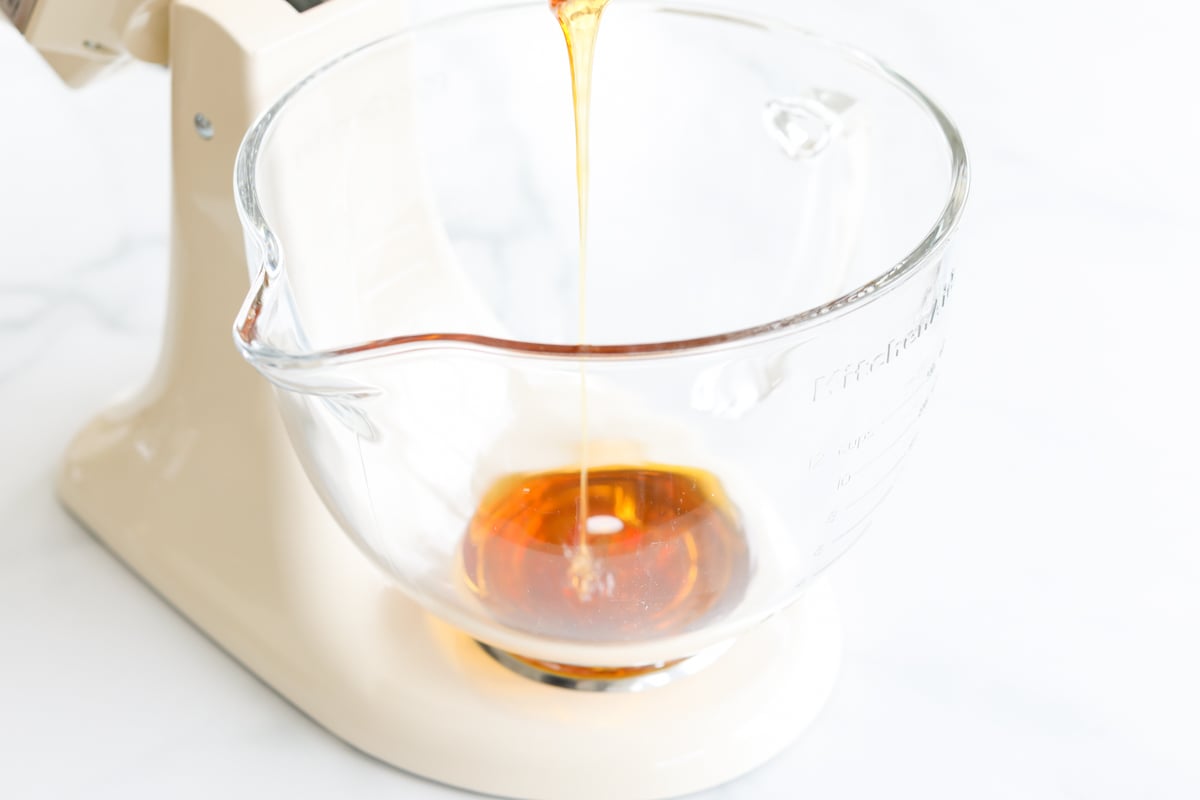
(606, 554)
(665, 546)
(580, 23)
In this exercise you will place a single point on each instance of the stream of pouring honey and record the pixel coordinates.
(603, 554)
(580, 23)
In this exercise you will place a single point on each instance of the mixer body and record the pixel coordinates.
(194, 485)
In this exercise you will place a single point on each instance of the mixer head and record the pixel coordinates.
(81, 39)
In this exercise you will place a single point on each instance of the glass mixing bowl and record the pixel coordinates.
(769, 214)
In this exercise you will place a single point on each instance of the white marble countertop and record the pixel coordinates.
(1024, 620)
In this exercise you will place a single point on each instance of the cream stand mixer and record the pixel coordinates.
(196, 487)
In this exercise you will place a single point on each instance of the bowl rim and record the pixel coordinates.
(271, 267)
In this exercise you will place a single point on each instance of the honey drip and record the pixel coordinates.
(603, 554)
(580, 23)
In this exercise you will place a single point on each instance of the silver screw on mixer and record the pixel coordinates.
(204, 126)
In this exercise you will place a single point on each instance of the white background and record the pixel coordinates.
(1023, 621)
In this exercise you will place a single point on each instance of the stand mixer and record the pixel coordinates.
(198, 488)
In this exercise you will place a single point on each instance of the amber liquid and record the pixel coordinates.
(665, 546)
(610, 554)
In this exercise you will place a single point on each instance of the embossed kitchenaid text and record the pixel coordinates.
(839, 380)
